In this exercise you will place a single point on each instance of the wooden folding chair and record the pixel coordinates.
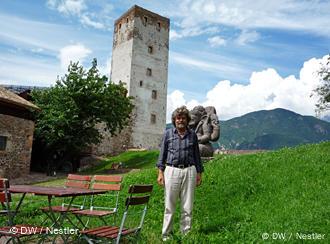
(103, 205)
(71, 205)
(73, 181)
(115, 233)
(13, 233)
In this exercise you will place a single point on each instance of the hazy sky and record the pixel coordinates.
(237, 55)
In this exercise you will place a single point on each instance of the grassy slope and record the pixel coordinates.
(244, 196)
(131, 159)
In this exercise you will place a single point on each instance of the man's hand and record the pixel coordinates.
(199, 179)
(160, 178)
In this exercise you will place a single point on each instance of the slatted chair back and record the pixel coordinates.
(111, 183)
(77, 181)
(5, 196)
(135, 199)
(107, 182)
(139, 196)
(4, 186)
(21, 229)
(102, 205)
(5, 199)
(138, 199)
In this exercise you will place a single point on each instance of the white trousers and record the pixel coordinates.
(179, 183)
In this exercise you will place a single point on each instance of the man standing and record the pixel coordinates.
(179, 170)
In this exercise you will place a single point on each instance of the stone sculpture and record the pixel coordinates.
(205, 123)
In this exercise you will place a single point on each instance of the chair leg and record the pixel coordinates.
(9, 240)
(121, 227)
(42, 239)
(14, 240)
(80, 220)
(115, 217)
(138, 234)
(103, 220)
(87, 239)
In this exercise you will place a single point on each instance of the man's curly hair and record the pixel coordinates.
(181, 111)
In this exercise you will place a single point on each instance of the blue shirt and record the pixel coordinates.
(177, 151)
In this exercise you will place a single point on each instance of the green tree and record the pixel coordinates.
(65, 127)
(323, 90)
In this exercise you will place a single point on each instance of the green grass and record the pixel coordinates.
(130, 159)
(241, 197)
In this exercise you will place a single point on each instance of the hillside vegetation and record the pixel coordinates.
(241, 197)
(272, 129)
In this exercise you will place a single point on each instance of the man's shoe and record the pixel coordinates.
(185, 233)
(166, 238)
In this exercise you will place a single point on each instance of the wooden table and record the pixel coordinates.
(51, 192)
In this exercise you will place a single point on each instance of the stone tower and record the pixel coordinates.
(140, 60)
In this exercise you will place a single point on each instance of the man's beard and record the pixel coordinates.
(181, 126)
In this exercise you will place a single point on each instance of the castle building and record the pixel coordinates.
(140, 60)
(16, 134)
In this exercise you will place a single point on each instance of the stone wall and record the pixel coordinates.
(15, 159)
(113, 145)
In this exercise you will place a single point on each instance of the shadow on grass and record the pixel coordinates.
(212, 228)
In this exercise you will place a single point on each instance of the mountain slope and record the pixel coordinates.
(271, 130)
(242, 197)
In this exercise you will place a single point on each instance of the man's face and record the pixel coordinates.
(181, 121)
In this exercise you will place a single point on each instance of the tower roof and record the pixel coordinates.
(138, 11)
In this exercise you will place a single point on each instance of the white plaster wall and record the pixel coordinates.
(145, 133)
(130, 60)
(122, 56)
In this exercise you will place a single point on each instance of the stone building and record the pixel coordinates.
(140, 60)
(16, 134)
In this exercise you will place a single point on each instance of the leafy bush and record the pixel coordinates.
(70, 110)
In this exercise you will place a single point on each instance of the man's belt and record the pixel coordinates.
(180, 166)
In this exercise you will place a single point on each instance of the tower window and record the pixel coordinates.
(3, 143)
(158, 26)
(141, 83)
(119, 26)
(145, 20)
(150, 49)
(154, 94)
(153, 118)
(149, 72)
(127, 20)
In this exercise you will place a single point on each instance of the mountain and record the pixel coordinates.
(272, 129)
(326, 118)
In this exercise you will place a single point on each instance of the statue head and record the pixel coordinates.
(196, 115)
(210, 110)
